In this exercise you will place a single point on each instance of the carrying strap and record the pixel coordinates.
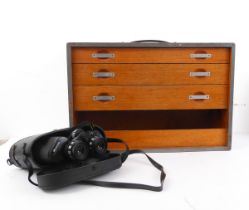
(31, 171)
(124, 156)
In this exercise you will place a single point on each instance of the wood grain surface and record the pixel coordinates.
(155, 139)
(150, 74)
(150, 97)
(151, 55)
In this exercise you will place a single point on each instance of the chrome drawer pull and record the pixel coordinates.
(103, 55)
(199, 97)
(200, 74)
(103, 98)
(103, 74)
(200, 55)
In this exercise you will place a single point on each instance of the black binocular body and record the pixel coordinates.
(60, 147)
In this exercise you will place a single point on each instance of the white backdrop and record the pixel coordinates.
(33, 98)
(33, 37)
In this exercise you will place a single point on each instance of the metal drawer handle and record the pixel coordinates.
(200, 74)
(103, 98)
(103, 55)
(199, 97)
(103, 74)
(200, 55)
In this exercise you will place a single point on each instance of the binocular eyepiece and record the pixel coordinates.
(80, 145)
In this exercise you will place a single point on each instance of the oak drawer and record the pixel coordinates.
(149, 74)
(150, 97)
(150, 55)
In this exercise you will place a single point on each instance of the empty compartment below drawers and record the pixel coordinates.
(162, 129)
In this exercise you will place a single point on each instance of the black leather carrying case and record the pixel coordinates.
(21, 155)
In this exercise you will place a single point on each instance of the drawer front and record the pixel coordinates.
(162, 139)
(150, 74)
(150, 97)
(150, 55)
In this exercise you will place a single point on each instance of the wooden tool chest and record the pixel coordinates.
(155, 95)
